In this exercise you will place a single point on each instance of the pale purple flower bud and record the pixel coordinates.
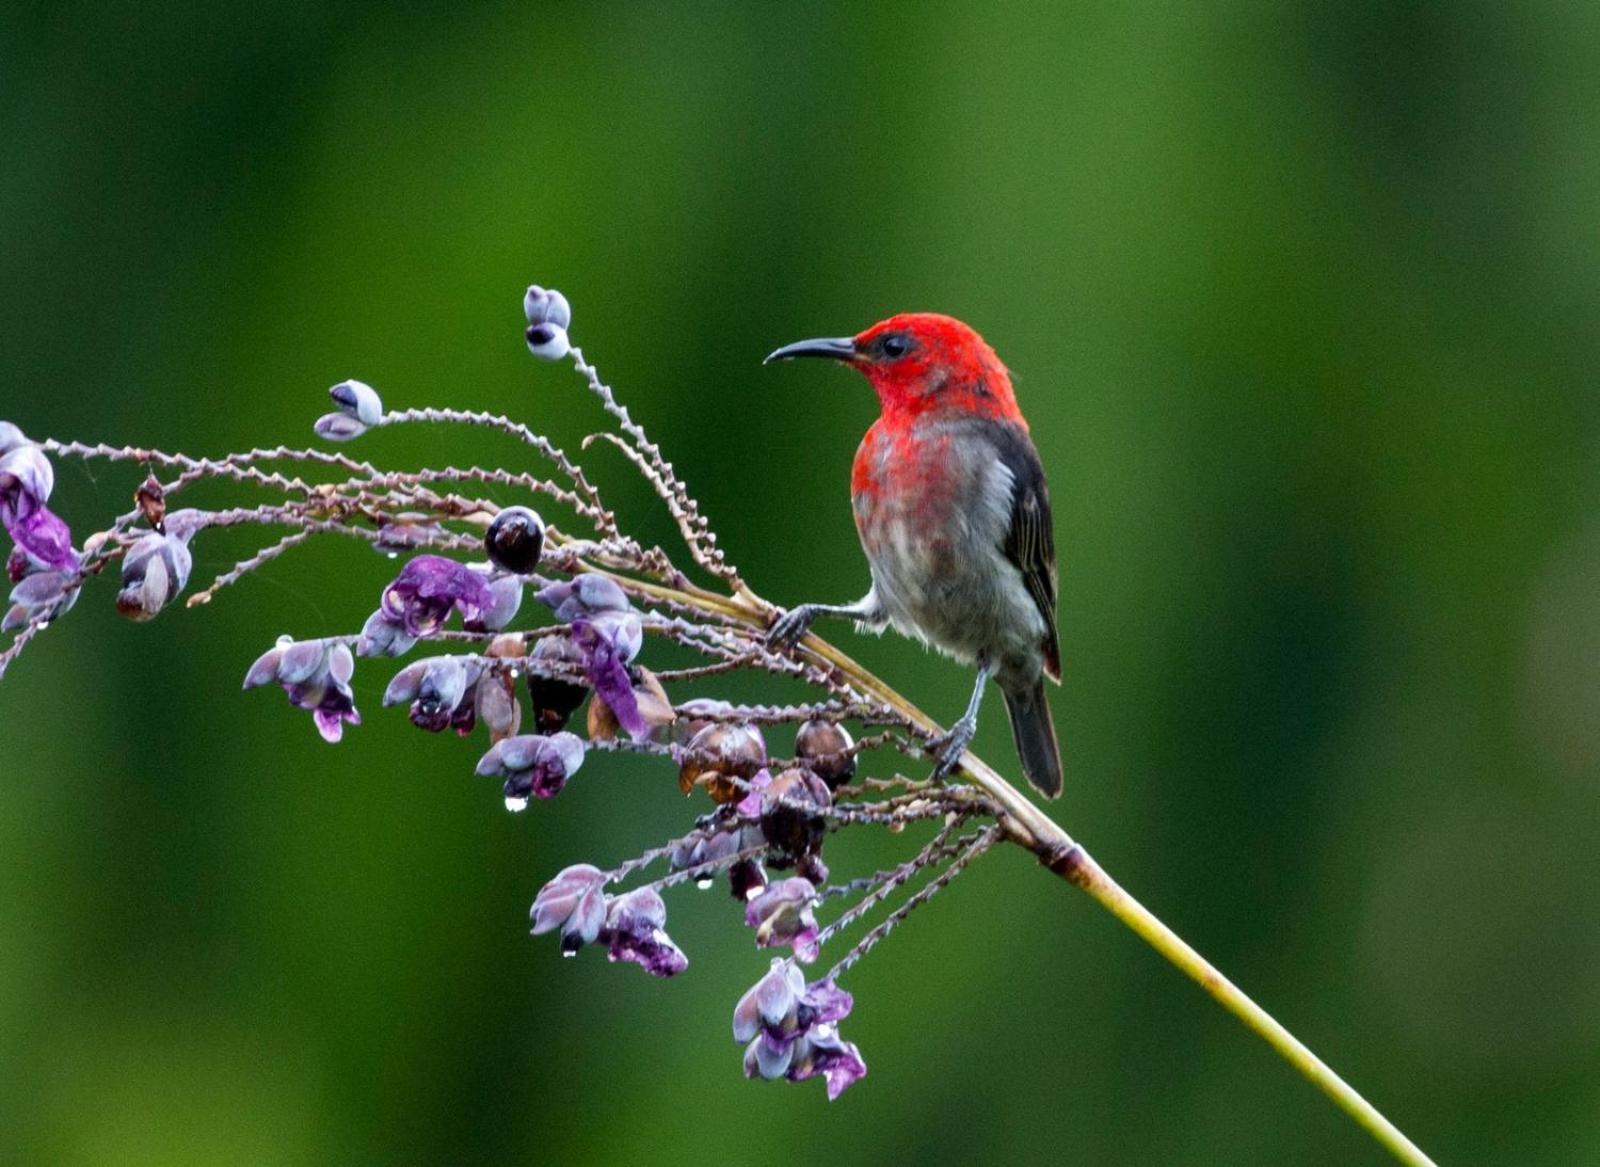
(584, 595)
(25, 473)
(546, 306)
(316, 676)
(41, 596)
(635, 930)
(505, 599)
(575, 902)
(11, 437)
(783, 915)
(381, 636)
(822, 1051)
(337, 427)
(41, 536)
(548, 342)
(441, 691)
(154, 570)
(359, 400)
(771, 1004)
(532, 765)
(427, 588)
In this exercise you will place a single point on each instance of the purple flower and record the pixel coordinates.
(442, 691)
(422, 596)
(154, 570)
(716, 837)
(316, 676)
(575, 902)
(532, 765)
(41, 596)
(337, 427)
(609, 641)
(635, 930)
(782, 914)
(26, 480)
(790, 1030)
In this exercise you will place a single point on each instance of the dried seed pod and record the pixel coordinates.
(554, 700)
(824, 747)
(723, 756)
(791, 816)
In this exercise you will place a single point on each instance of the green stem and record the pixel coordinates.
(1025, 824)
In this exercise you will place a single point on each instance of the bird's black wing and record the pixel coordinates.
(1030, 539)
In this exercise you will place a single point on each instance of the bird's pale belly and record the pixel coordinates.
(949, 585)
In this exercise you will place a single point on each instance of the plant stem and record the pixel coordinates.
(1024, 823)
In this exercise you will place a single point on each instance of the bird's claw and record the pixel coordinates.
(788, 629)
(952, 746)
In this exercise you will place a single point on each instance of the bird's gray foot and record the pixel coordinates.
(953, 745)
(788, 629)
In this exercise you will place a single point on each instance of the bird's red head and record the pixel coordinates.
(920, 362)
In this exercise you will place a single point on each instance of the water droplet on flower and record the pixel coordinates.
(392, 555)
(516, 805)
(284, 640)
(569, 952)
(704, 882)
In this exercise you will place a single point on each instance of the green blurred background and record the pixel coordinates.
(1302, 302)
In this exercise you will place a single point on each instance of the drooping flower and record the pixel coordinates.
(505, 592)
(26, 480)
(441, 690)
(575, 902)
(716, 837)
(381, 636)
(783, 915)
(316, 676)
(635, 930)
(609, 634)
(533, 765)
(40, 596)
(790, 1030)
(426, 591)
(154, 570)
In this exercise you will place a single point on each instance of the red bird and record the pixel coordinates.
(952, 510)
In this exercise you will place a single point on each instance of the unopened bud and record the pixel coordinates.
(338, 427)
(359, 400)
(546, 306)
(548, 342)
(515, 540)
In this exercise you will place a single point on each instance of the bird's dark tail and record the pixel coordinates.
(1035, 734)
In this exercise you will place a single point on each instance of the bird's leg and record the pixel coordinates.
(788, 629)
(955, 743)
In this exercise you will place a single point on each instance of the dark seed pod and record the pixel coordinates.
(554, 701)
(791, 816)
(515, 540)
(824, 747)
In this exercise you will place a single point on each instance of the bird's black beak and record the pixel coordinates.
(837, 348)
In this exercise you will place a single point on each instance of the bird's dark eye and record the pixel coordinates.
(895, 346)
